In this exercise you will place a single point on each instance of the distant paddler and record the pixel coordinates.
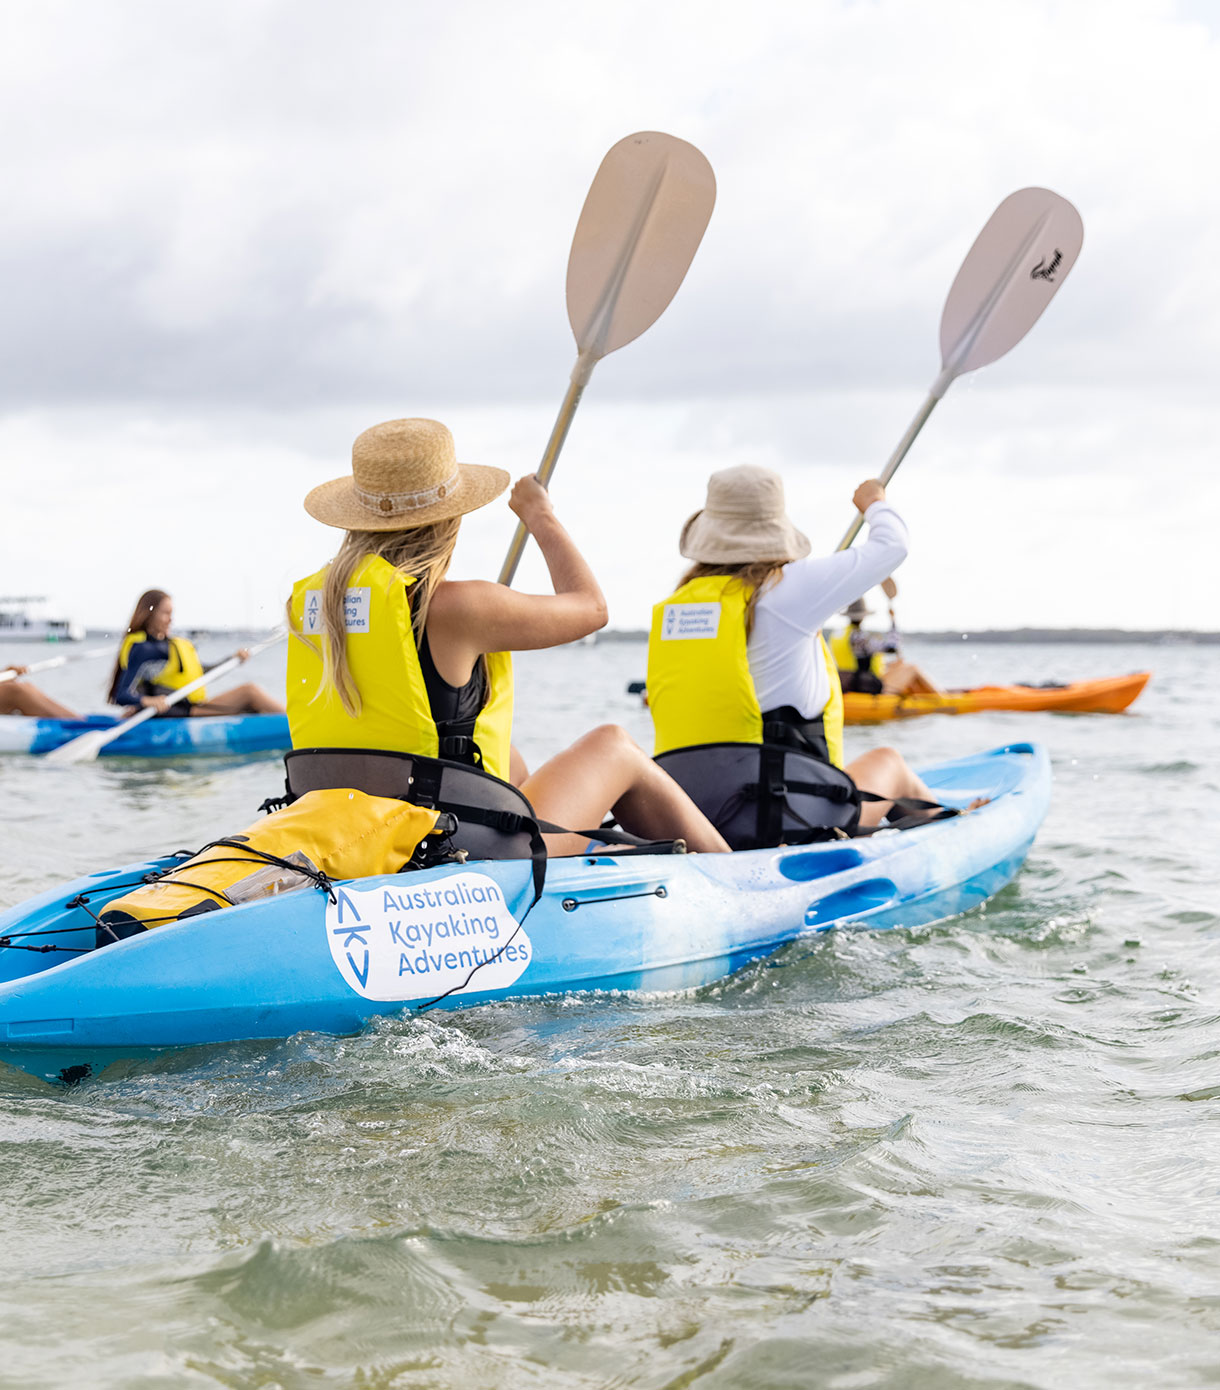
(152, 664)
(861, 655)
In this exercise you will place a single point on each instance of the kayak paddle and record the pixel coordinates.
(52, 661)
(1009, 276)
(642, 222)
(85, 747)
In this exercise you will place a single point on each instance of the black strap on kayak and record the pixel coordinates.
(8, 943)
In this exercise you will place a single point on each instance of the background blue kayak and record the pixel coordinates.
(464, 934)
(156, 738)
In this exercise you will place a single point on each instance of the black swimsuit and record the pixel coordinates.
(455, 708)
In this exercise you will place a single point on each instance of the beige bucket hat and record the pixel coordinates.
(404, 474)
(743, 520)
(856, 611)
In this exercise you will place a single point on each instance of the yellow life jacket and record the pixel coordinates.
(395, 713)
(846, 659)
(700, 689)
(181, 667)
(344, 833)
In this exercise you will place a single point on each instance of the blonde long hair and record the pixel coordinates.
(755, 575)
(422, 553)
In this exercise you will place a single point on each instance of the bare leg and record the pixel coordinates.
(518, 771)
(885, 772)
(606, 770)
(244, 699)
(19, 697)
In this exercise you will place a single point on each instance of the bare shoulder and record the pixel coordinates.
(456, 597)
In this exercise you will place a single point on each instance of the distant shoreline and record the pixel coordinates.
(1075, 636)
(1015, 636)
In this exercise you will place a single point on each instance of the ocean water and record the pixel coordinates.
(985, 1153)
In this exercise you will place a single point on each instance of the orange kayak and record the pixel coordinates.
(1108, 696)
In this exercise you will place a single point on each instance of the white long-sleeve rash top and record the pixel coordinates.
(784, 658)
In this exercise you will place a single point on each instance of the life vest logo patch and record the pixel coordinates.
(417, 941)
(685, 622)
(355, 611)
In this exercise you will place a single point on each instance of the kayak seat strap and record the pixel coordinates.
(494, 819)
(762, 795)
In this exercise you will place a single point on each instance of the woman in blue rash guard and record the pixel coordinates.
(151, 665)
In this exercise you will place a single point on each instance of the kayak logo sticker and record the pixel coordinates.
(355, 611)
(453, 934)
(1045, 270)
(684, 622)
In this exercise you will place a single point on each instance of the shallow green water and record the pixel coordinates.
(986, 1153)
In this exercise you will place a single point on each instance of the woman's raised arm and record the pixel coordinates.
(485, 617)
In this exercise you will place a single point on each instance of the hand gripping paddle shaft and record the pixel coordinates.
(1012, 272)
(640, 227)
(85, 747)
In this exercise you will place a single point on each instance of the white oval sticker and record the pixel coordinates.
(418, 940)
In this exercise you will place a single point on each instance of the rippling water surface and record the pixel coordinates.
(986, 1153)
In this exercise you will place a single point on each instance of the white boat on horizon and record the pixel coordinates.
(17, 625)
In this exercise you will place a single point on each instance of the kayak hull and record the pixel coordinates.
(155, 738)
(1111, 695)
(296, 963)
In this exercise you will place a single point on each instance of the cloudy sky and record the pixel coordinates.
(238, 232)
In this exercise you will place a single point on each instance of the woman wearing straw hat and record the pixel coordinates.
(738, 669)
(388, 654)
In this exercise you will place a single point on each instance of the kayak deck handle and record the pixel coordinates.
(853, 901)
(820, 863)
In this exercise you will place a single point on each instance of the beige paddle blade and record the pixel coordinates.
(1012, 272)
(639, 229)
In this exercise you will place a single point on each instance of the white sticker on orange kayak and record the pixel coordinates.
(420, 940)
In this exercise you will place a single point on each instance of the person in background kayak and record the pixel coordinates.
(736, 658)
(388, 654)
(859, 655)
(151, 665)
(20, 697)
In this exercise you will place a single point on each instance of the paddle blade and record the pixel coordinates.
(639, 229)
(1012, 272)
(82, 749)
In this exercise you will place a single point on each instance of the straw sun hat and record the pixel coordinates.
(404, 474)
(742, 521)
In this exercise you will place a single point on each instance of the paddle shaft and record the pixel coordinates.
(550, 456)
(51, 662)
(904, 448)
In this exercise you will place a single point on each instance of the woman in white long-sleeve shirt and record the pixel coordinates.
(753, 576)
(784, 652)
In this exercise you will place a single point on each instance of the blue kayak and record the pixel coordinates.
(155, 738)
(464, 934)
